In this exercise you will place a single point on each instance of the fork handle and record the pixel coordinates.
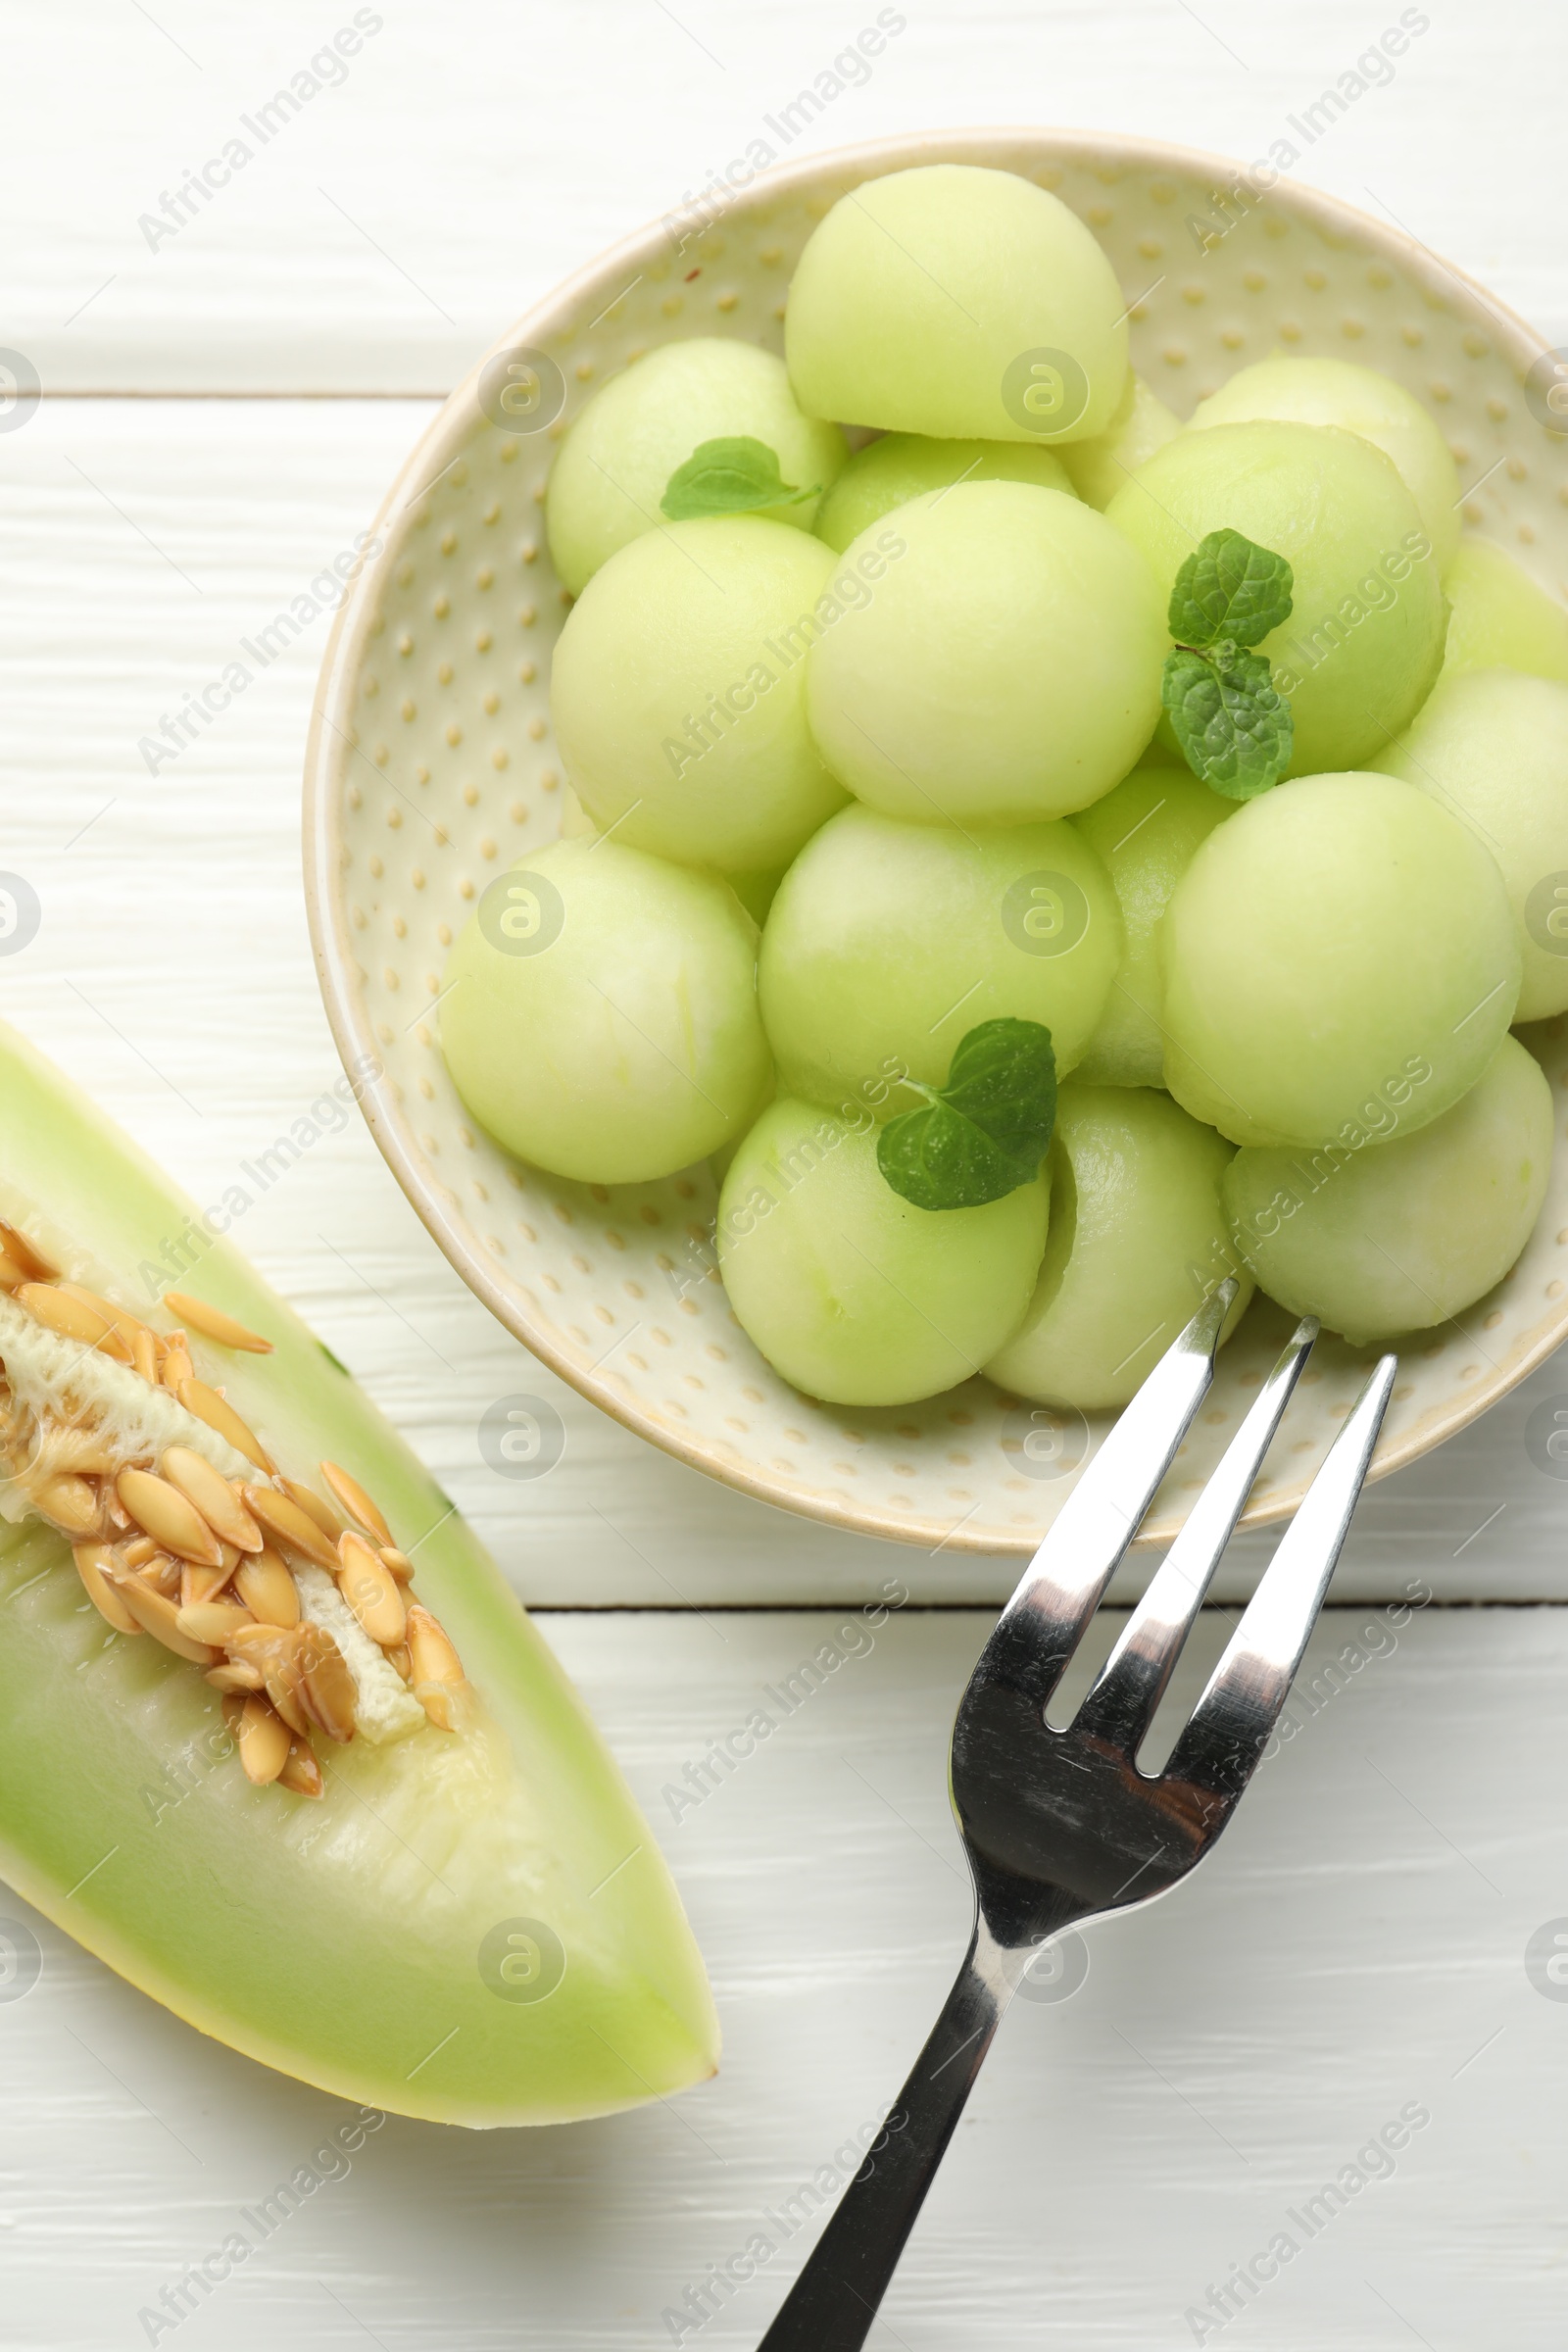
(833, 2303)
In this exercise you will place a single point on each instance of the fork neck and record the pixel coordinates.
(833, 2304)
(1015, 1917)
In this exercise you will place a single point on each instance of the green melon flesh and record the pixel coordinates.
(342, 1941)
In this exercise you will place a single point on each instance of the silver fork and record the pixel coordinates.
(1062, 1826)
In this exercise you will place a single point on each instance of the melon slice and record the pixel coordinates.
(276, 1741)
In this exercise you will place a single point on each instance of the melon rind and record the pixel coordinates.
(352, 1943)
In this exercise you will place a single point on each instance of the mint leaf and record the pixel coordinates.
(733, 476)
(985, 1133)
(1231, 720)
(1003, 1079)
(1230, 587)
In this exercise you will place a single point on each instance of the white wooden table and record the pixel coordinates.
(224, 403)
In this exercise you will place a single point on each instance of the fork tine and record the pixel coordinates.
(1059, 1591)
(1218, 1751)
(1131, 1684)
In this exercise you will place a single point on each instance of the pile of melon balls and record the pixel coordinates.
(859, 770)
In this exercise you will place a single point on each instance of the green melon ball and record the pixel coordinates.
(1498, 618)
(851, 1293)
(1141, 424)
(614, 467)
(1338, 957)
(1492, 746)
(599, 1015)
(1138, 1239)
(887, 943)
(889, 472)
(952, 300)
(754, 888)
(1364, 639)
(679, 693)
(1145, 834)
(1402, 1237)
(1357, 400)
(1007, 669)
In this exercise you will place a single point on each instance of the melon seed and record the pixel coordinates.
(437, 1669)
(22, 1253)
(274, 1651)
(217, 1413)
(165, 1514)
(234, 1676)
(159, 1616)
(212, 1621)
(263, 1742)
(122, 1323)
(295, 1530)
(71, 1502)
(314, 1506)
(198, 1584)
(73, 1318)
(268, 1589)
(371, 1592)
(213, 1324)
(212, 1496)
(326, 1685)
(301, 1772)
(93, 1562)
(355, 1501)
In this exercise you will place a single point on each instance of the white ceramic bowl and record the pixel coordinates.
(431, 766)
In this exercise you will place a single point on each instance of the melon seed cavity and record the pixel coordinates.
(299, 1611)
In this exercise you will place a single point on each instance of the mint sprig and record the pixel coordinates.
(983, 1134)
(1232, 723)
(736, 475)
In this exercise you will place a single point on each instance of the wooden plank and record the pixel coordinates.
(171, 976)
(389, 223)
(1354, 1949)
(1358, 1940)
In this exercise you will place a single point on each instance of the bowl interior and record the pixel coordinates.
(432, 766)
